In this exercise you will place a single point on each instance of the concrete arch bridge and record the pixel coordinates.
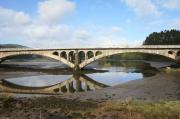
(78, 58)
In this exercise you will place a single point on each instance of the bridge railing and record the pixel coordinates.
(143, 46)
(159, 46)
(14, 49)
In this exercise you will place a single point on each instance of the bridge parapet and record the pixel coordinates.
(14, 49)
(159, 46)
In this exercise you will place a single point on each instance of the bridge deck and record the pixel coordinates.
(156, 47)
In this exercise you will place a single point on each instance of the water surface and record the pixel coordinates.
(117, 72)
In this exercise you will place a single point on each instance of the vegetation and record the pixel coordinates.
(144, 110)
(139, 66)
(47, 107)
(138, 56)
(11, 46)
(167, 37)
(23, 57)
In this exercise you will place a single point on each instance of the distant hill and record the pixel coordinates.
(27, 57)
(167, 37)
(11, 46)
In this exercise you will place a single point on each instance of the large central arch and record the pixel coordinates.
(109, 53)
(53, 55)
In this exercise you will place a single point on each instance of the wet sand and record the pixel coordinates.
(156, 95)
(163, 86)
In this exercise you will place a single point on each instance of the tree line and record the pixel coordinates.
(167, 37)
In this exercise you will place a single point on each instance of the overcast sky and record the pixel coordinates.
(85, 23)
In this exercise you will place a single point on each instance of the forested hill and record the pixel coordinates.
(11, 46)
(26, 57)
(166, 37)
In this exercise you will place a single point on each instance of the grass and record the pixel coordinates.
(75, 109)
(4, 97)
(144, 110)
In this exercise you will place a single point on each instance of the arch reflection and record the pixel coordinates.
(76, 83)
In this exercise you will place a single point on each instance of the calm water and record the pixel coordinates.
(117, 72)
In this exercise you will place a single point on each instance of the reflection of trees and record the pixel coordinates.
(76, 83)
(129, 64)
(139, 66)
(137, 56)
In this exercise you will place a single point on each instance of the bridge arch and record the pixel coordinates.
(63, 54)
(56, 53)
(171, 52)
(98, 53)
(105, 54)
(48, 55)
(178, 53)
(71, 56)
(81, 56)
(90, 54)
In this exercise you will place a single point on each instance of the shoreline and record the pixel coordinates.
(148, 88)
(157, 95)
(162, 86)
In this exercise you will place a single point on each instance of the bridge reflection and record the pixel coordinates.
(76, 83)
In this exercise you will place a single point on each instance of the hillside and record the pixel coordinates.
(167, 37)
(11, 46)
(24, 57)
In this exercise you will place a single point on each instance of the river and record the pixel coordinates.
(24, 77)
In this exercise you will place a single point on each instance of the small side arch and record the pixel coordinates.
(171, 52)
(178, 56)
(90, 54)
(71, 56)
(48, 55)
(63, 55)
(81, 56)
(178, 53)
(98, 53)
(56, 53)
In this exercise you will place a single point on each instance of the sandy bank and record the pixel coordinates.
(163, 86)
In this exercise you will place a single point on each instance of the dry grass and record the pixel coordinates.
(143, 110)
(74, 109)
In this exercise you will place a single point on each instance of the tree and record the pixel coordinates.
(167, 37)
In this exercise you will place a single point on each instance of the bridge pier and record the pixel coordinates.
(76, 63)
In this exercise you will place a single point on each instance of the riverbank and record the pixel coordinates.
(155, 97)
(60, 108)
(163, 86)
